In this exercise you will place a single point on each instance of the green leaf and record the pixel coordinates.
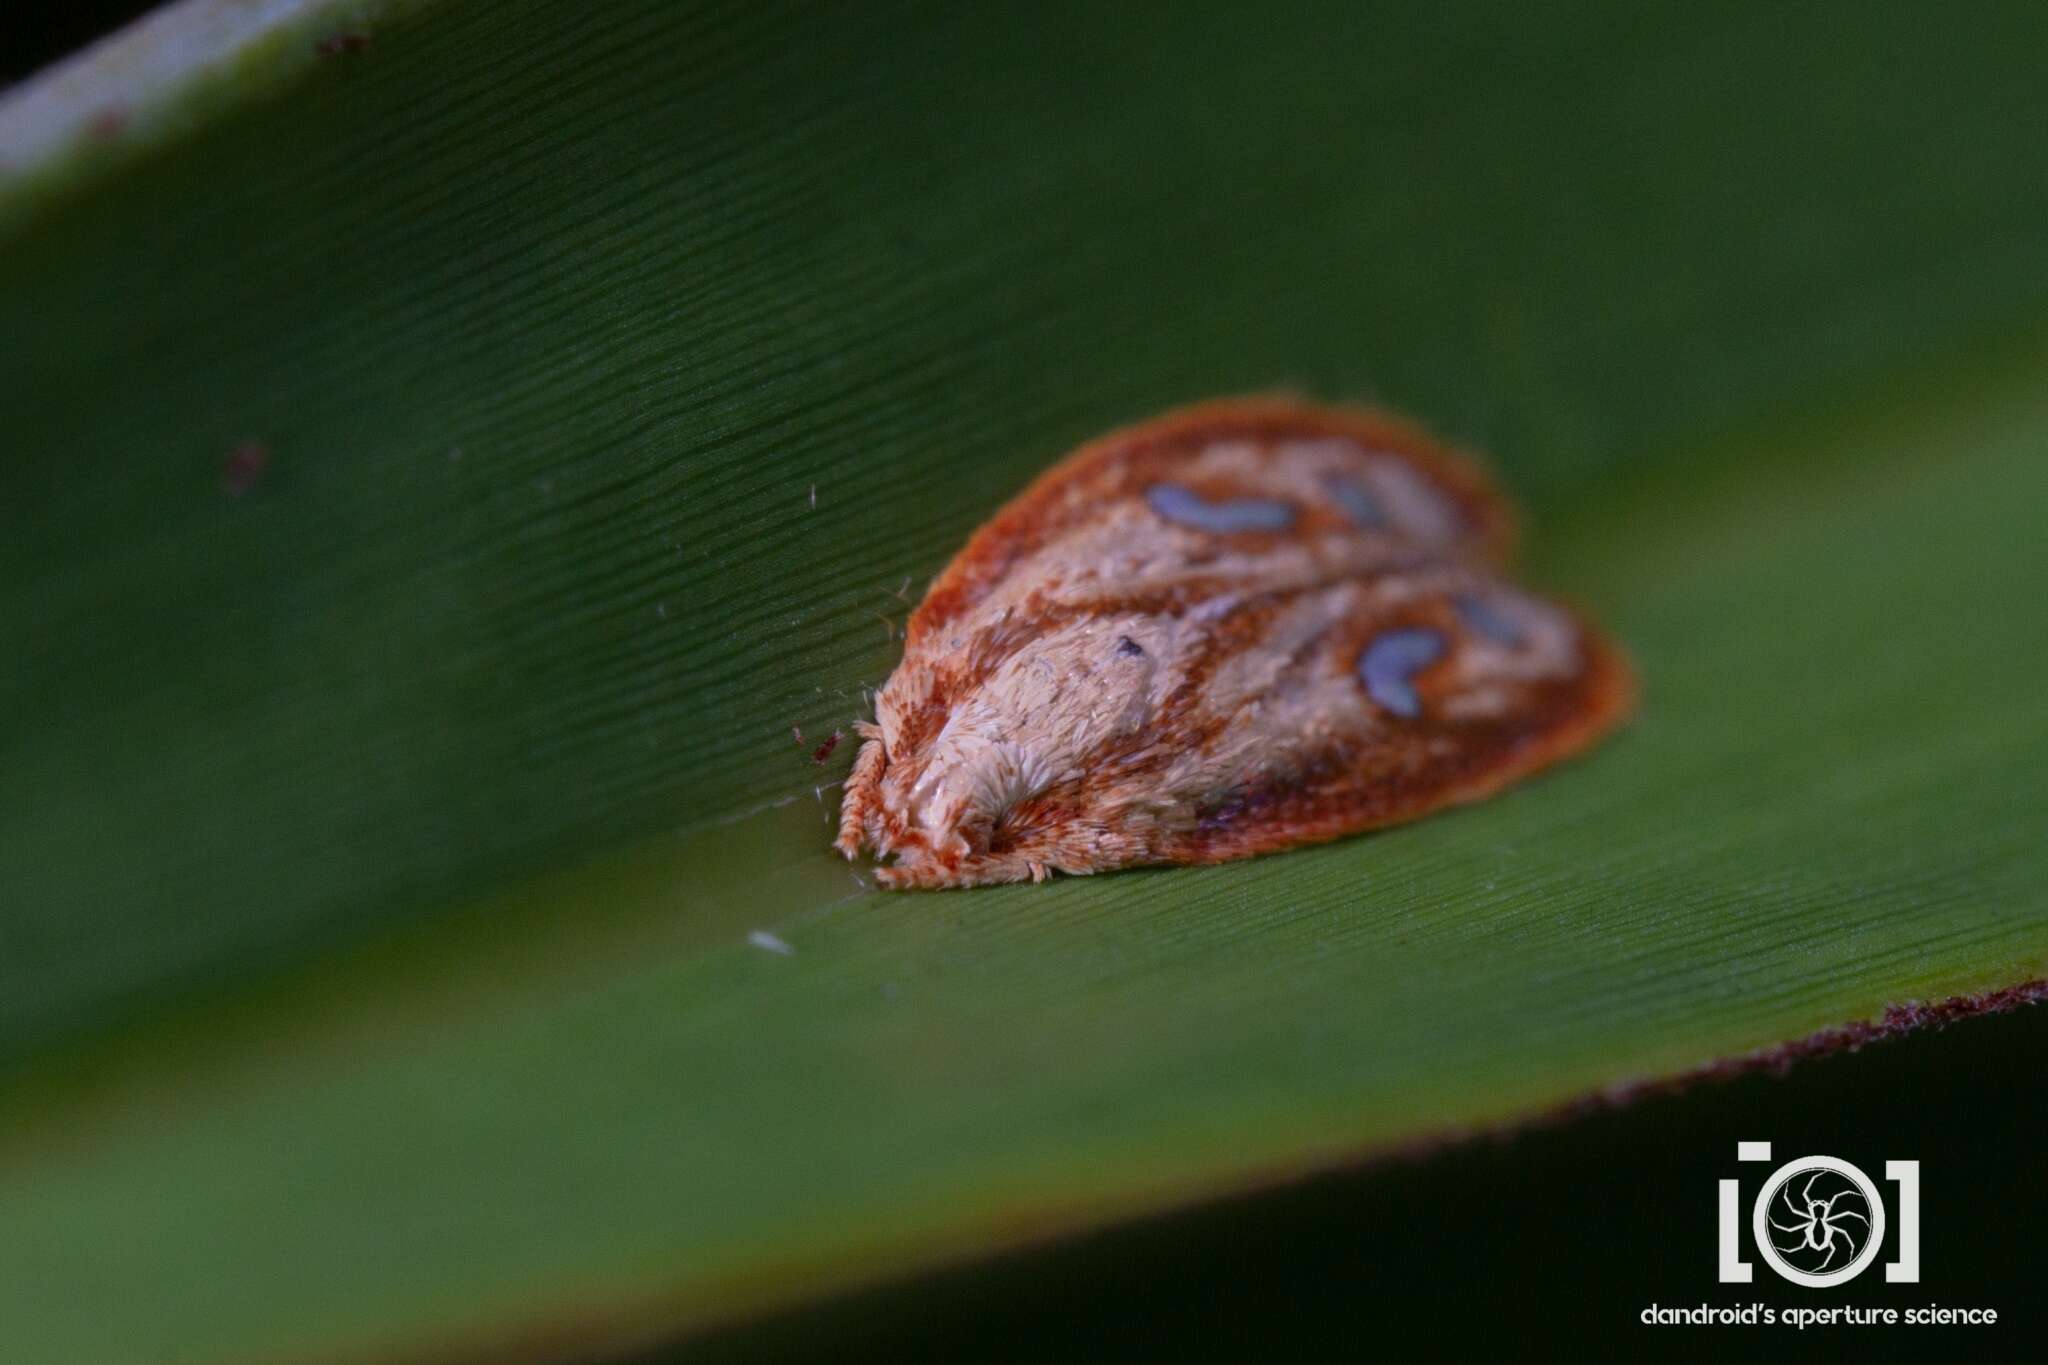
(382, 841)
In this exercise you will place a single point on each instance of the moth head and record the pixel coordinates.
(956, 796)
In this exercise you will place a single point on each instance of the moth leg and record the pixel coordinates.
(1035, 863)
(862, 786)
(926, 874)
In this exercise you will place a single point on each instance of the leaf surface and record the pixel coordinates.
(382, 841)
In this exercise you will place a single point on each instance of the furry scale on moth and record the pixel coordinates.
(1240, 627)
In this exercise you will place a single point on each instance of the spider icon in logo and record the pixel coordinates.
(1827, 1224)
(1819, 1221)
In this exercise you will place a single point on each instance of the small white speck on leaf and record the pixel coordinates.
(814, 497)
(767, 942)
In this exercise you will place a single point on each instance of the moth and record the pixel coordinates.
(1240, 627)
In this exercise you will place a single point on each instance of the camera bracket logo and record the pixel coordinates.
(1819, 1221)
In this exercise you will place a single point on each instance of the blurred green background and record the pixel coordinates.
(380, 842)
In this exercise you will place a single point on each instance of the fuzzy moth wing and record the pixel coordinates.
(1397, 696)
(1262, 488)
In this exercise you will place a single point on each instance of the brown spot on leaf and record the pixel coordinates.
(108, 124)
(341, 44)
(244, 466)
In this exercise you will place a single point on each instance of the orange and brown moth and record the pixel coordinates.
(1240, 627)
